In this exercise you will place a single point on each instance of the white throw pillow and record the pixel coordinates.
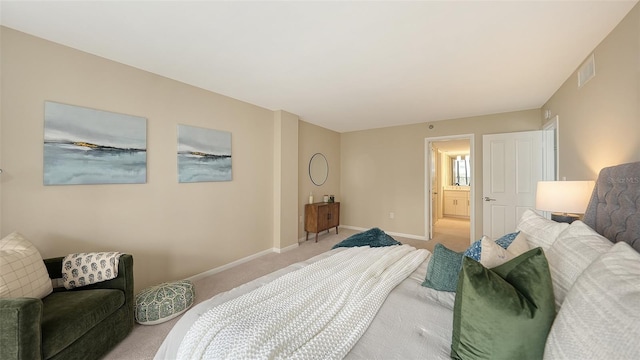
(519, 245)
(22, 271)
(494, 254)
(540, 231)
(599, 317)
(574, 250)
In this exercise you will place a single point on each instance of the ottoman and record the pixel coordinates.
(163, 302)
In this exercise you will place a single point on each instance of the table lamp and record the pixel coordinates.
(569, 198)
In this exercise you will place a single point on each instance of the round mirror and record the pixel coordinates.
(318, 169)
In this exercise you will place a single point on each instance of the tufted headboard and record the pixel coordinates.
(614, 208)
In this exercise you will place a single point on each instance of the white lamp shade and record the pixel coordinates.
(564, 196)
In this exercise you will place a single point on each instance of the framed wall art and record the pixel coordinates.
(87, 146)
(203, 154)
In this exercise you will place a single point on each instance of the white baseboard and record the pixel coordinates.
(234, 263)
(285, 249)
(408, 236)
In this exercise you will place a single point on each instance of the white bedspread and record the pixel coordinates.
(415, 322)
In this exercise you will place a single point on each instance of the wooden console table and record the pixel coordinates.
(321, 216)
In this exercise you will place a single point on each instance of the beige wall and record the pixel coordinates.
(599, 124)
(315, 139)
(173, 230)
(383, 170)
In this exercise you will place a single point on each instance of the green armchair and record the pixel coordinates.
(83, 323)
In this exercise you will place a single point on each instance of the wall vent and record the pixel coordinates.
(587, 71)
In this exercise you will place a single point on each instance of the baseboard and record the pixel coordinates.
(230, 265)
(408, 236)
(285, 249)
(241, 261)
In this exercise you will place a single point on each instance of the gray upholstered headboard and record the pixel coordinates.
(614, 208)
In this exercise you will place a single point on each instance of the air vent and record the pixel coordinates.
(587, 71)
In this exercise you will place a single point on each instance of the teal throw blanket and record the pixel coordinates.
(372, 237)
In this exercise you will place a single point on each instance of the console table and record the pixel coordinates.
(321, 216)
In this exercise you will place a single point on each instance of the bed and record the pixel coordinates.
(588, 308)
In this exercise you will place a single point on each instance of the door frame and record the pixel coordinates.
(551, 153)
(551, 150)
(427, 182)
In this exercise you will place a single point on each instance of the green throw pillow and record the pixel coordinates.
(505, 312)
(443, 269)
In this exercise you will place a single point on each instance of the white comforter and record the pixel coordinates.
(342, 295)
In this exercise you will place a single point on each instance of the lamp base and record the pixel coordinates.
(564, 218)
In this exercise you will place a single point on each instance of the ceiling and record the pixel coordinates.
(344, 66)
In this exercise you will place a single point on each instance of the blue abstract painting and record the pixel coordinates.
(87, 146)
(203, 154)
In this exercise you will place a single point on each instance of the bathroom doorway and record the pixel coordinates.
(449, 183)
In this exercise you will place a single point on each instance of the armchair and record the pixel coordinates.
(83, 323)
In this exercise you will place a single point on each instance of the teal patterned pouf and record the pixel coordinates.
(163, 302)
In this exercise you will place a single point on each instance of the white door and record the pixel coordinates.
(511, 167)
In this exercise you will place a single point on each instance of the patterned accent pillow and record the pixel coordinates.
(506, 240)
(474, 251)
(22, 271)
(84, 269)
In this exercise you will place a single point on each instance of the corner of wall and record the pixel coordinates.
(285, 182)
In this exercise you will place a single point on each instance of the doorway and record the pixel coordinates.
(449, 186)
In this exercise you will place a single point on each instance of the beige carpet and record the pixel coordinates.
(453, 233)
(144, 341)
